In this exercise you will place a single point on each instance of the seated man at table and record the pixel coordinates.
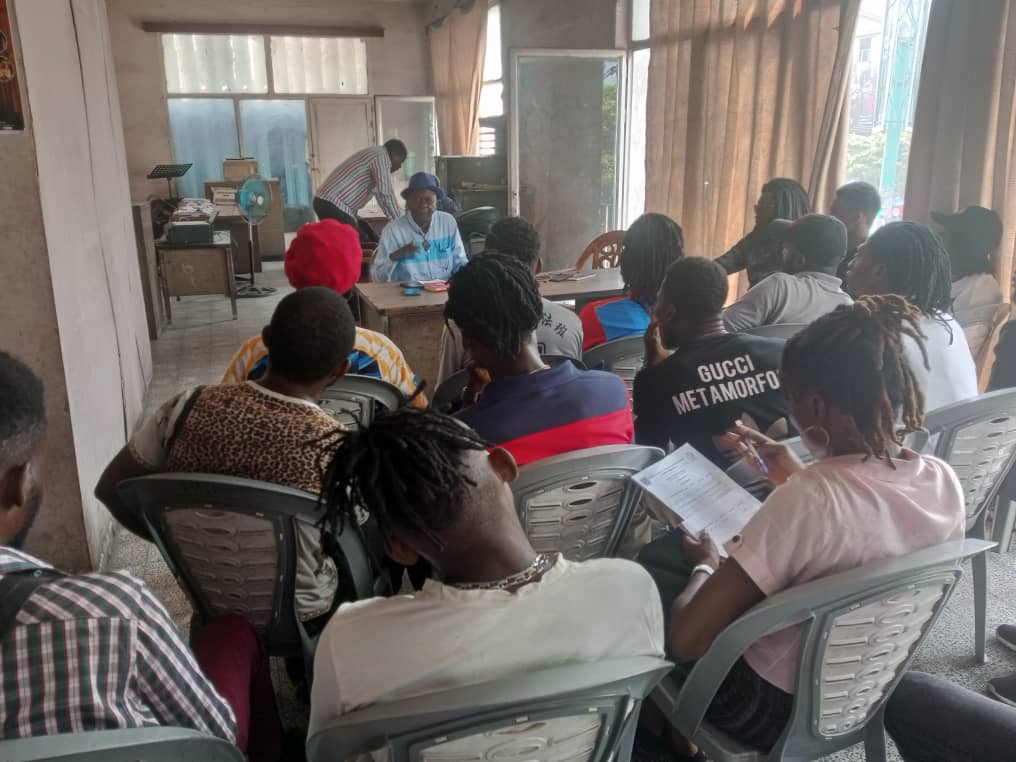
(560, 330)
(813, 247)
(713, 378)
(328, 254)
(513, 399)
(500, 608)
(423, 244)
(271, 430)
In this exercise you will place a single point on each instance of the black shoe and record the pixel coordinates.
(1006, 634)
(1003, 689)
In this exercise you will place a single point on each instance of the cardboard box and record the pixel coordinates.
(239, 169)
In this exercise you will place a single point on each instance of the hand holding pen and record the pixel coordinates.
(774, 461)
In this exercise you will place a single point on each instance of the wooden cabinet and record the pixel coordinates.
(271, 236)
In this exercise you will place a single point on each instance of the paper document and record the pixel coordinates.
(699, 494)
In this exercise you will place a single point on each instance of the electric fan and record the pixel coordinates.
(254, 200)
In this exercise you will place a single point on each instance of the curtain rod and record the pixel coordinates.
(283, 30)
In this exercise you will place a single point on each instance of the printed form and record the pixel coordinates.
(699, 494)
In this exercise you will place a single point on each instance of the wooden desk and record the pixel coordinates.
(192, 269)
(415, 323)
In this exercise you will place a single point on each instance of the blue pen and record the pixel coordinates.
(762, 467)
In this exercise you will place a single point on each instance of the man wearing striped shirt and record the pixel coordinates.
(98, 651)
(351, 184)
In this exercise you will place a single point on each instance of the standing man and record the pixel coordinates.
(423, 244)
(856, 205)
(351, 184)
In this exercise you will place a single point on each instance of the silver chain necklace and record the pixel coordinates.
(540, 564)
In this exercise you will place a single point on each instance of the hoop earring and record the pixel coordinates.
(807, 434)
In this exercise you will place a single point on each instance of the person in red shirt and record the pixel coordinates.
(513, 399)
(651, 245)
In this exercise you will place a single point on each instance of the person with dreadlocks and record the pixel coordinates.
(906, 258)
(513, 398)
(651, 245)
(758, 252)
(559, 332)
(866, 497)
(496, 607)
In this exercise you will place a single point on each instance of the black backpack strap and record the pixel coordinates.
(15, 588)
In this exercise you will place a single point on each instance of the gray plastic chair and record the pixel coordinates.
(623, 357)
(861, 629)
(131, 745)
(353, 398)
(778, 331)
(231, 544)
(580, 713)
(977, 437)
(581, 503)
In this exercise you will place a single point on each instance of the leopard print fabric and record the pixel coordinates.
(246, 431)
(240, 430)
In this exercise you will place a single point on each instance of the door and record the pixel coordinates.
(565, 157)
(339, 127)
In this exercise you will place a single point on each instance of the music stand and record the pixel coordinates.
(169, 172)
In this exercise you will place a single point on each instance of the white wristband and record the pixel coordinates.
(703, 568)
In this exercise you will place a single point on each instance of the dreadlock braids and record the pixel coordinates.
(404, 469)
(790, 196)
(494, 299)
(916, 263)
(854, 358)
(651, 245)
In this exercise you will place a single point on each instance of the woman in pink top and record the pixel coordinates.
(865, 498)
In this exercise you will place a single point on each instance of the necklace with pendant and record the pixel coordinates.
(540, 564)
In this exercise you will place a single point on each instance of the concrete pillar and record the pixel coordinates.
(72, 305)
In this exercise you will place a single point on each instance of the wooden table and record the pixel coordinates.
(191, 269)
(415, 323)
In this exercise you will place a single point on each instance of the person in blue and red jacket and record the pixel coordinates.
(513, 399)
(651, 245)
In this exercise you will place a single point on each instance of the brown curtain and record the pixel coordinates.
(457, 48)
(963, 149)
(740, 92)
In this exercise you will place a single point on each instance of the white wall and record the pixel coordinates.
(397, 64)
(85, 203)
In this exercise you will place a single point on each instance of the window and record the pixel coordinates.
(638, 68)
(492, 90)
(232, 94)
(888, 47)
(639, 20)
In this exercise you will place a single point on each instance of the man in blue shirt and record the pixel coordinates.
(423, 244)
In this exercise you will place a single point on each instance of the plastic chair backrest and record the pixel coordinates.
(354, 397)
(860, 630)
(580, 503)
(978, 324)
(778, 331)
(622, 357)
(231, 543)
(155, 744)
(977, 437)
(579, 712)
(604, 251)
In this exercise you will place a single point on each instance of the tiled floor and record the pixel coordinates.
(196, 350)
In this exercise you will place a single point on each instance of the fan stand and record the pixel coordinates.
(250, 290)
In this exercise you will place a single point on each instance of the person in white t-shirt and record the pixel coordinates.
(500, 608)
(866, 498)
(813, 247)
(908, 259)
(972, 237)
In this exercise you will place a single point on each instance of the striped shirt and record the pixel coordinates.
(438, 254)
(364, 174)
(374, 355)
(99, 652)
(537, 415)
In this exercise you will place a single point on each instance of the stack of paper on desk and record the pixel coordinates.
(698, 494)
